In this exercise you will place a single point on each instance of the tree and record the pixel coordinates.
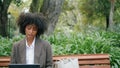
(101, 8)
(51, 9)
(4, 4)
(111, 15)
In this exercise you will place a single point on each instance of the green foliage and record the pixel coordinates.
(117, 20)
(98, 10)
(103, 7)
(88, 43)
(81, 43)
(64, 43)
(6, 45)
(115, 38)
(18, 2)
(115, 57)
(68, 5)
(95, 9)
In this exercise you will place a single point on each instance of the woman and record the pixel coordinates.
(32, 49)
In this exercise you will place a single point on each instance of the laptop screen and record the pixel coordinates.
(24, 66)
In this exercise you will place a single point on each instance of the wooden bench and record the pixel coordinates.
(85, 61)
(89, 60)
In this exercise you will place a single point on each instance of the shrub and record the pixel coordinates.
(89, 43)
(76, 43)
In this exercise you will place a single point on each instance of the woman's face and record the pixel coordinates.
(31, 31)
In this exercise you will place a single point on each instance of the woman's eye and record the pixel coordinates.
(29, 27)
(34, 28)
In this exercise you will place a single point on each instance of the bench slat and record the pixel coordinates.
(4, 64)
(87, 56)
(101, 61)
(95, 66)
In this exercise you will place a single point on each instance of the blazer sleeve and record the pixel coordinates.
(13, 55)
(49, 60)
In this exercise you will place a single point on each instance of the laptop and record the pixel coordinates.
(24, 66)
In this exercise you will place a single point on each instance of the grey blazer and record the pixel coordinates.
(42, 55)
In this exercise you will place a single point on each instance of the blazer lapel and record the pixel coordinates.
(37, 50)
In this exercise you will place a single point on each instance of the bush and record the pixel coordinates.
(6, 45)
(76, 43)
(89, 43)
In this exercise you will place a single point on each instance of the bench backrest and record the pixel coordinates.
(89, 60)
(4, 61)
(85, 61)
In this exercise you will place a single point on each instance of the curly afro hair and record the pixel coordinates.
(32, 18)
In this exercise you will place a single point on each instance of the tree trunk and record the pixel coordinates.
(52, 9)
(107, 22)
(111, 15)
(3, 17)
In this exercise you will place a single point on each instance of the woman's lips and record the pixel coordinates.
(30, 35)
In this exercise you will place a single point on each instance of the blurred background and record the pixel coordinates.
(74, 26)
